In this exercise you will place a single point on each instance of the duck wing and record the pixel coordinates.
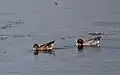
(95, 38)
(93, 41)
(47, 44)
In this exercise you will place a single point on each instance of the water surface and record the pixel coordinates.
(25, 22)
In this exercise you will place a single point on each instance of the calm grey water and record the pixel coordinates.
(43, 21)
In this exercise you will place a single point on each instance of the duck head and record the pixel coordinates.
(80, 43)
(35, 46)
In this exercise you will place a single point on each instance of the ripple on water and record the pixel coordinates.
(107, 23)
(112, 65)
(11, 24)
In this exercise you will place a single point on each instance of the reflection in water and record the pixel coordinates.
(36, 52)
(80, 50)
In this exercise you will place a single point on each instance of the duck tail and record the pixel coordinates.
(50, 43)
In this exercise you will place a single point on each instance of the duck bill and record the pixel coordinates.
(33, 48)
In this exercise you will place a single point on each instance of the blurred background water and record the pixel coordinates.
(25, 22)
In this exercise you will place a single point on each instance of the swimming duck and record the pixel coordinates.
(95, 41)
(44, 47)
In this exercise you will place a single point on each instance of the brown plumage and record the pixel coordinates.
(44, 47)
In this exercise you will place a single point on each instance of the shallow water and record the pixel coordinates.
(25, 22)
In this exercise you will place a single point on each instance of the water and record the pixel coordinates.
(25, 22)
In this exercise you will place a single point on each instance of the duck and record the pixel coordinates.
(94, 41)
(44, 47)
